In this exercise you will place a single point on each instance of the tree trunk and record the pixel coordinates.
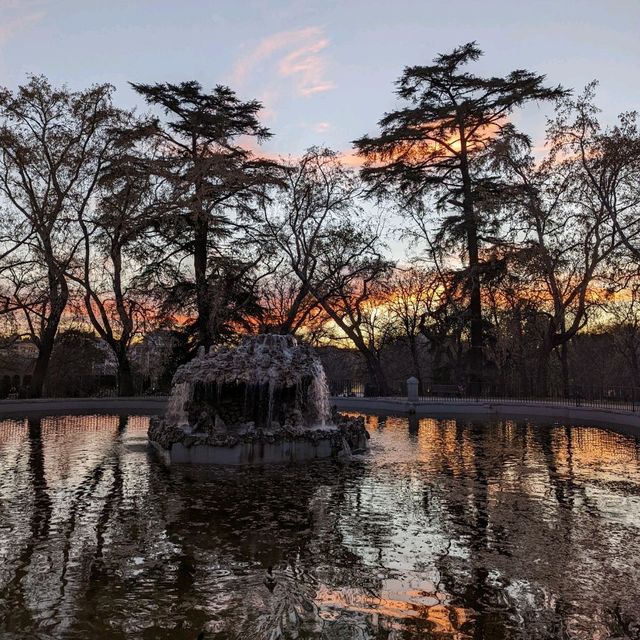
(543, 369)
(376, 374)
(475, 351)
(292, 316)
(45, 349)
(205, 338)
(473, 278)
(125, 376)
(525, 378)
(437, 360)
(58, 297)
(41, 368)
(564, 366)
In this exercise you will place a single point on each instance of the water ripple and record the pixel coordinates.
(443, 530)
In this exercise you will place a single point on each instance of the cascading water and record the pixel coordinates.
(269, 388)
(180, 394)
(319, 394)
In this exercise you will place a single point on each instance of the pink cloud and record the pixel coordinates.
(308, 67)
(267, 47)
(302, 61)
(321, 127)
(317, 88)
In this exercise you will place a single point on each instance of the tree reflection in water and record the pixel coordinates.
(444, 529)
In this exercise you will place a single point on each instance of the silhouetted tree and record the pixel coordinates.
(413, 294)
(334, 249)
(606, 161)
(623, 325)
(54, 144)
(570, 242)
(319, 194)
(113, 233)
(289, 307)
(73, 364)
(210, 177)
(430, 147)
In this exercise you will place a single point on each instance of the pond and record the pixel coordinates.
(444, 529)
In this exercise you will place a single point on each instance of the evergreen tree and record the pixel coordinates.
(434, 146)
(208, 176)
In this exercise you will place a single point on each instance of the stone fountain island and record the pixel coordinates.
(265, 401)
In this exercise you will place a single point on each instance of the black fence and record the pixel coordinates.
(358, 389)
(604, 396)
(79, 386)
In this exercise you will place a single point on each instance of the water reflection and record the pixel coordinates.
(444, 529)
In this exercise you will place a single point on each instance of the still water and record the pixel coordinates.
(444, 529)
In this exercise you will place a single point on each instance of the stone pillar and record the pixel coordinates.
(412, 389)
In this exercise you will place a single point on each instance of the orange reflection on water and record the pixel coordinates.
(442, 444)
(590, 446)
(395, 603)
(12, 431)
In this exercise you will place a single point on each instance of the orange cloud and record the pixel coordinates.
(302, 61)
(351, 159)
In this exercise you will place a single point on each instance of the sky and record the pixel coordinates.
(324, 70)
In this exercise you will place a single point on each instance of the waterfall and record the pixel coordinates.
(180, 395)
(267, 380)
(266, 347)
(265, 400)
(319, 393)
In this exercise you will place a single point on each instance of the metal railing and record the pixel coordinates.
(82, 386)
(625, 398)
(603, 395)
(358, 389)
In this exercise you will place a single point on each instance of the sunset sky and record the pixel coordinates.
(323, 69)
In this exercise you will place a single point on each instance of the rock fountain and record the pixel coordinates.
(264, 401)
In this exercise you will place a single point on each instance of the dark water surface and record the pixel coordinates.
(443, 530)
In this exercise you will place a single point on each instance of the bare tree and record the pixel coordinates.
(607, 161)
(54, 144)
(317, 225)
(413, 294)
(318, 194)
(113, 233)
(569, 242)
(352, 291)
(288, 307)
(622, 323)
